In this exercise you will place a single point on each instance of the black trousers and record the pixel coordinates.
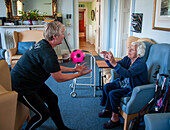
(36, 102)
(111, 95)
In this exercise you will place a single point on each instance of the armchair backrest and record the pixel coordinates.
(133, 39)
(25, 36)
(159, 55)
(5, 77)
(148, 42)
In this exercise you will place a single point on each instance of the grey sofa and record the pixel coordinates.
(158, 54)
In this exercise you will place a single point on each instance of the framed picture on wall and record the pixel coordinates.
(161, 15)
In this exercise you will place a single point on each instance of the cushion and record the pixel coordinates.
(23, 46)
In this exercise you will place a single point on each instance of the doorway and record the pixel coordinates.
(84, 43)
(81, 22)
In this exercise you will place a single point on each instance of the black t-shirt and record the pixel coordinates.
(34, 68)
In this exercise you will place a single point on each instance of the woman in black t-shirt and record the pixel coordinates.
(34, 68)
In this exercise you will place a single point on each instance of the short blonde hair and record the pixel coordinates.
(140, 49)
(53, 28)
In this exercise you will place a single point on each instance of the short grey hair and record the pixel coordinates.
(141, 48)
(53, 28)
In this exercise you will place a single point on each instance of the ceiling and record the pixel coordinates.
(86, 0)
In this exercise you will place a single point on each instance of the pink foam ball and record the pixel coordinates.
(77, 56)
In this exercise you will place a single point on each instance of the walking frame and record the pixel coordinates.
(92, 73)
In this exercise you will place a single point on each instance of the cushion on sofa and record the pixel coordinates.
(23, 46)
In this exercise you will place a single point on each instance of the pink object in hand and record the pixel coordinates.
(77, 56)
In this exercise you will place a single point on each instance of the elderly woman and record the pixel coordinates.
(34, 68)
(133, 72)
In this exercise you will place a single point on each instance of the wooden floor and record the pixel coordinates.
(86, 45)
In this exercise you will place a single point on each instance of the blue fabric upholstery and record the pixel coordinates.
(23, 46)
(141, 95)
(159, 55)
(2, 54)
(158, 121)
(148, 46)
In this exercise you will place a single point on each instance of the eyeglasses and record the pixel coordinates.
(131, 49)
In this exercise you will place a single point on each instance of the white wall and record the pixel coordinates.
(3, 12)
(66, 7)
(146, 7)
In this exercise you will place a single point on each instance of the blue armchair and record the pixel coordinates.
(2, 54)
(159, 54)
(158, 121)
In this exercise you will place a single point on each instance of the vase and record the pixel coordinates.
(30, 22)
(35, 22)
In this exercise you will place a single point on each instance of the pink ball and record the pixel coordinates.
(77, 56)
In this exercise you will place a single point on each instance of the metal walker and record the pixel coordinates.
(93, 73)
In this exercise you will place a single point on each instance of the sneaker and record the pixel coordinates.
(110, 124)
(105, 113)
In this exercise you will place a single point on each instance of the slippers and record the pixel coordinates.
(110, 124)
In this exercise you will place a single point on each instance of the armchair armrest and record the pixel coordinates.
(8, 103)
(158, 121)
(12, 51)
(141, 95)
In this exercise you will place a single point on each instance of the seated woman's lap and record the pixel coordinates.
(111, 86)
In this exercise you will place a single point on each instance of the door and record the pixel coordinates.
(123, 27)
(81, 22)
(97, 34)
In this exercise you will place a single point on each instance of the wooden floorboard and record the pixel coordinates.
(83, 45)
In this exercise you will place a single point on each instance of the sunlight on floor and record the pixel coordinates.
(86, 45)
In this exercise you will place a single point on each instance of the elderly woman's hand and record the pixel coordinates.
(105, 55)
(111, 59)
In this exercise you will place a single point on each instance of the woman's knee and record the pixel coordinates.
(108, 87)
(45, 115)
(112, 95)
(53, 99)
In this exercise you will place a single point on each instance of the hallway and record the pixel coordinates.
(86, 45)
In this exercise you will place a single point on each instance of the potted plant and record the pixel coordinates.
(31, 15)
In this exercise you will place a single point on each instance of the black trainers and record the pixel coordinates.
(105, 114)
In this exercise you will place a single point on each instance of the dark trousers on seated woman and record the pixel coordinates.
(36, 102)
(111, 95)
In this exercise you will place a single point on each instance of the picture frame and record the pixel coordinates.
(92, 15)
(0, 22)
(161, 15)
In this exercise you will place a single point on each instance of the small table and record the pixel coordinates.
(102, 64)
